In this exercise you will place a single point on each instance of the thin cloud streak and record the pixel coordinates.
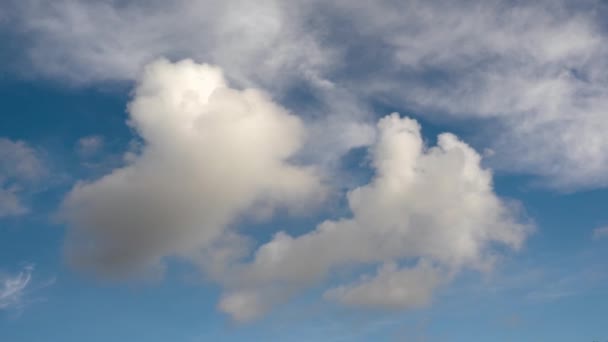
(12, 288)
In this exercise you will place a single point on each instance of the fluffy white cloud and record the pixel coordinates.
(435, 205)
(532, 75)
(211, 155)
(12, 288)
(264, 44)
(19, 166)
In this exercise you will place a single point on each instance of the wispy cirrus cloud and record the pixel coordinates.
(13, 287)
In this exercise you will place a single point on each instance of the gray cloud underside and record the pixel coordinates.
(432, 205)
(213, 154)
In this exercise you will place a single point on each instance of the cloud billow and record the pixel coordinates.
(211, 154)
(431, 206)
(289, 90)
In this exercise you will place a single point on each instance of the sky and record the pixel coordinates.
(211, 170)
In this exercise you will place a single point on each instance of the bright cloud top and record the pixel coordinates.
(211, 154)
(435, 206)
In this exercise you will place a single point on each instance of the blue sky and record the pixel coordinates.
(303, 171)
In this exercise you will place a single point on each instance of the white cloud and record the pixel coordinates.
(391, 288)
(600, 233)
(434, 204)
(534, 73)
(212, 154)
(536, 69)
(244, 306)
(253, 41)
(19, 167)
(264, 44)
(13, 287)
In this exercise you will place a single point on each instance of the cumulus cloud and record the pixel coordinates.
(19, 167)
(531, 75)
(433, 205)
(211, 154)
(12, 288)
(264, 44)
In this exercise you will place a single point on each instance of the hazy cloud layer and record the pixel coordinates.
(532, 73)
(259, 41)
(535, 71)
(265, 44)
(211, 154)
